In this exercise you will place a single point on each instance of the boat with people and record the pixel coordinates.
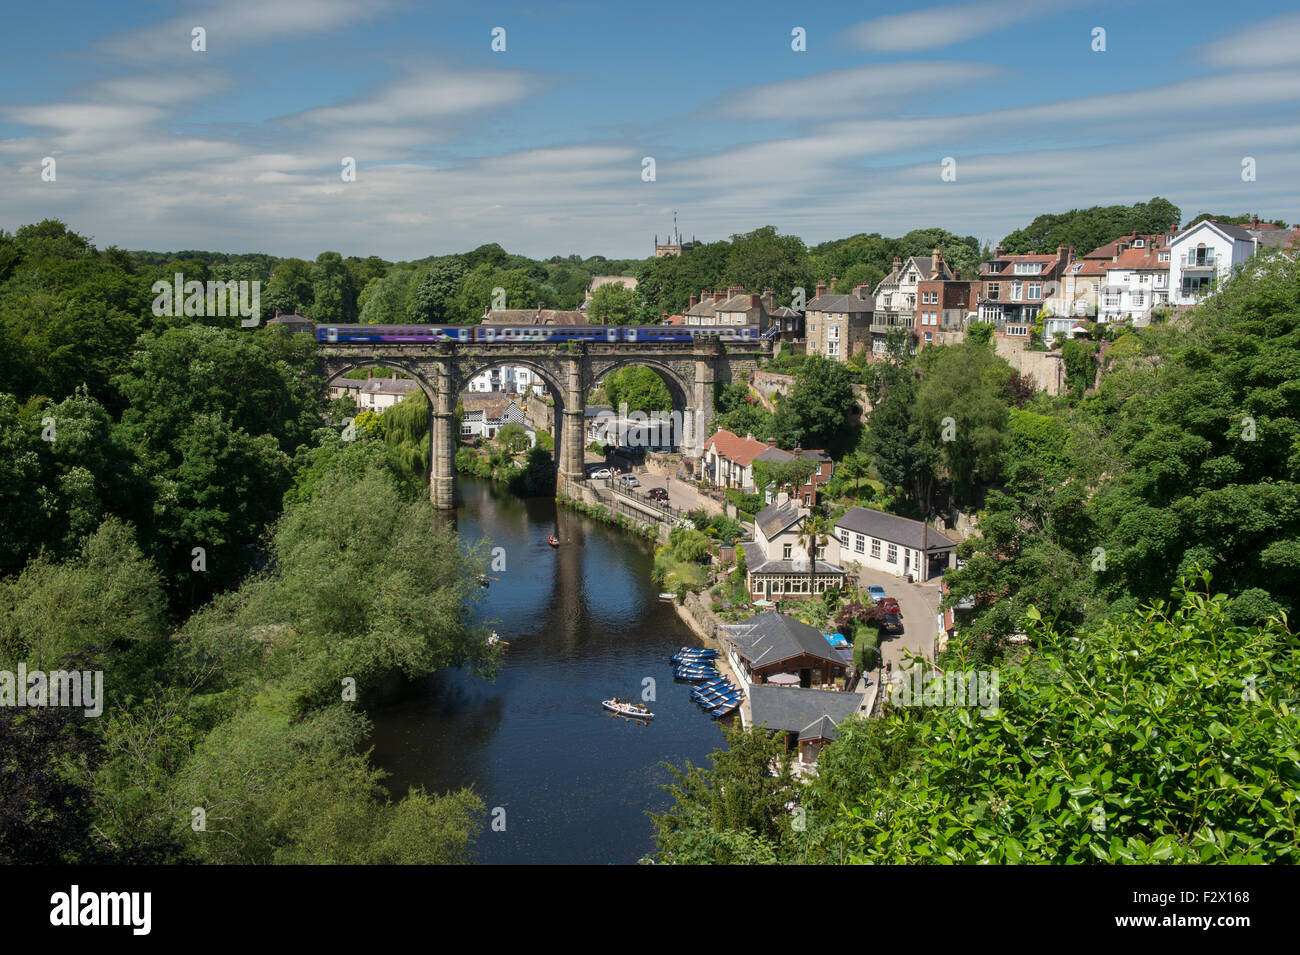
(553, 540)
(495, 640)
(628, 708)
(667, 595)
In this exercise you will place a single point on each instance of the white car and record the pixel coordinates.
(602, 474)
(629, 480)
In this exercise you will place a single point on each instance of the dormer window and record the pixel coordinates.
(1139, 243)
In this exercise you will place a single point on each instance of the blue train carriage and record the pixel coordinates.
(410, 334)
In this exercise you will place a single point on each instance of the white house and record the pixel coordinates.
(485, 414)
(1203, 256)
(777, 564)
(374, 394)
(511, 379)
(1137, 280)
(882, 541)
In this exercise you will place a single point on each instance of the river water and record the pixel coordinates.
(584, 623)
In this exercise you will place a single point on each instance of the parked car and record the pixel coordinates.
(876, 593)
(659, 494)
(893, 623)
(601, 474)
(890, 605)
(629, 480)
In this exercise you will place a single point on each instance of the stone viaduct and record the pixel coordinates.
(569, 369)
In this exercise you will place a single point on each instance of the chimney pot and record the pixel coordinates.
(821, 289)
(694, 300)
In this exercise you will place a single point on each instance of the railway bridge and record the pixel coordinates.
(569, 369)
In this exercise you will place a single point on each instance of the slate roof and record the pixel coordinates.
(772, 637)
(898, 530)
(756, 562)
(801, 711)
(493, 404)
(841, 303)
(776, 518)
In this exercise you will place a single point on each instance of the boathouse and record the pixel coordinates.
(809, 718)
(773, 643)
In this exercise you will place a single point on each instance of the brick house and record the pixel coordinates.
(1015, 288)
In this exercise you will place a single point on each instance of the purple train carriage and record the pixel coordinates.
(428, 334)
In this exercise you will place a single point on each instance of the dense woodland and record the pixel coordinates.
(129, 441)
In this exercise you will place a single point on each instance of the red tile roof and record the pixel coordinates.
(734, 448)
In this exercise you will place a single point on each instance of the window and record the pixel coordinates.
(1139, 298)
(1035, 290)
(833, 349)
(1018, 331)
(893, 554)
(833, 333)
(1016, 290)
(1029, 268)
(859, 543)
(785, 551)
(929, 298)
(1139, 243)
(994, 289)
(875, 548)
(929, 338)
(844, 537)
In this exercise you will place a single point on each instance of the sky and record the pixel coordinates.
(542, 146)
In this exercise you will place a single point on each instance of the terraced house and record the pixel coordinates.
(1015, 288)
(838, 326)
(922, 294)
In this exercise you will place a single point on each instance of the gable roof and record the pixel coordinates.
(897, 530)
(1234, 232)
(772, 637)
(775, 518)
(840, 303)
(742, 451)
(493, 404)
(758, 563)
(801, 711)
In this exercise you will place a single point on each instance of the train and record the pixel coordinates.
(428, 334)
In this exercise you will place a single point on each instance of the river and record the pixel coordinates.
(584, 623)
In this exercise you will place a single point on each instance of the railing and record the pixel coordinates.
(643, 505)
(1191, 261)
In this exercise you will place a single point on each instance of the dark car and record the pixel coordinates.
(658, 494)
(893, 623)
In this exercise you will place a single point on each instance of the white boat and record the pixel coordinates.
(665, 595)
(623, 708)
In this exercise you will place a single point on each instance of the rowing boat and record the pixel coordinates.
(628, 709)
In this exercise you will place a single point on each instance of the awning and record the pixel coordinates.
(784, 679)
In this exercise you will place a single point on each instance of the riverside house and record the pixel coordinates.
(893, 544)
(777, 564)
(773, 643)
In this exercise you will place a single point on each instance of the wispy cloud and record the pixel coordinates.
(1272, 42)
(938, 27)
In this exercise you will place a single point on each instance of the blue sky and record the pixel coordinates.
(540, 147)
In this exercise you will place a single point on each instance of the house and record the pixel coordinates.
(807, 492)
(774, 643)
(1137, 279)
(512, 379)
(809, 718)
(532, 316)
(838, 326)
(374, 394)
(729, 459)
(1078, 295)
(893, 544)
(485, 414)
(945, 302)
(1015, 288)
(294, 322)
(776, 562)
(1203, 255)
(735, 307)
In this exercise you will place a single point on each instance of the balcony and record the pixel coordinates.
(884, 321)
(1192, 262)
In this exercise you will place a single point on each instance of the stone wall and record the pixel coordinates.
(1044, 367)
(767, 383)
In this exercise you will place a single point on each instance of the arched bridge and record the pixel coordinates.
(569, 369)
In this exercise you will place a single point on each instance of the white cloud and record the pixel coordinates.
(851, 91)
(432, 94)
(1273, 42)
(937, 27)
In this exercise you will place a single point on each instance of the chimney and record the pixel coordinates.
(370, 373)
(771, 441)
(898, 263)
(821, 290)
(861, 291)
(749, 436)
(782, 498)
(956, 275)
(754, 300)
(1063, 254)
(997, 253)
(831, 284)
(695, 300)
(735, 290)
(1254, 222)
(938, 256)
